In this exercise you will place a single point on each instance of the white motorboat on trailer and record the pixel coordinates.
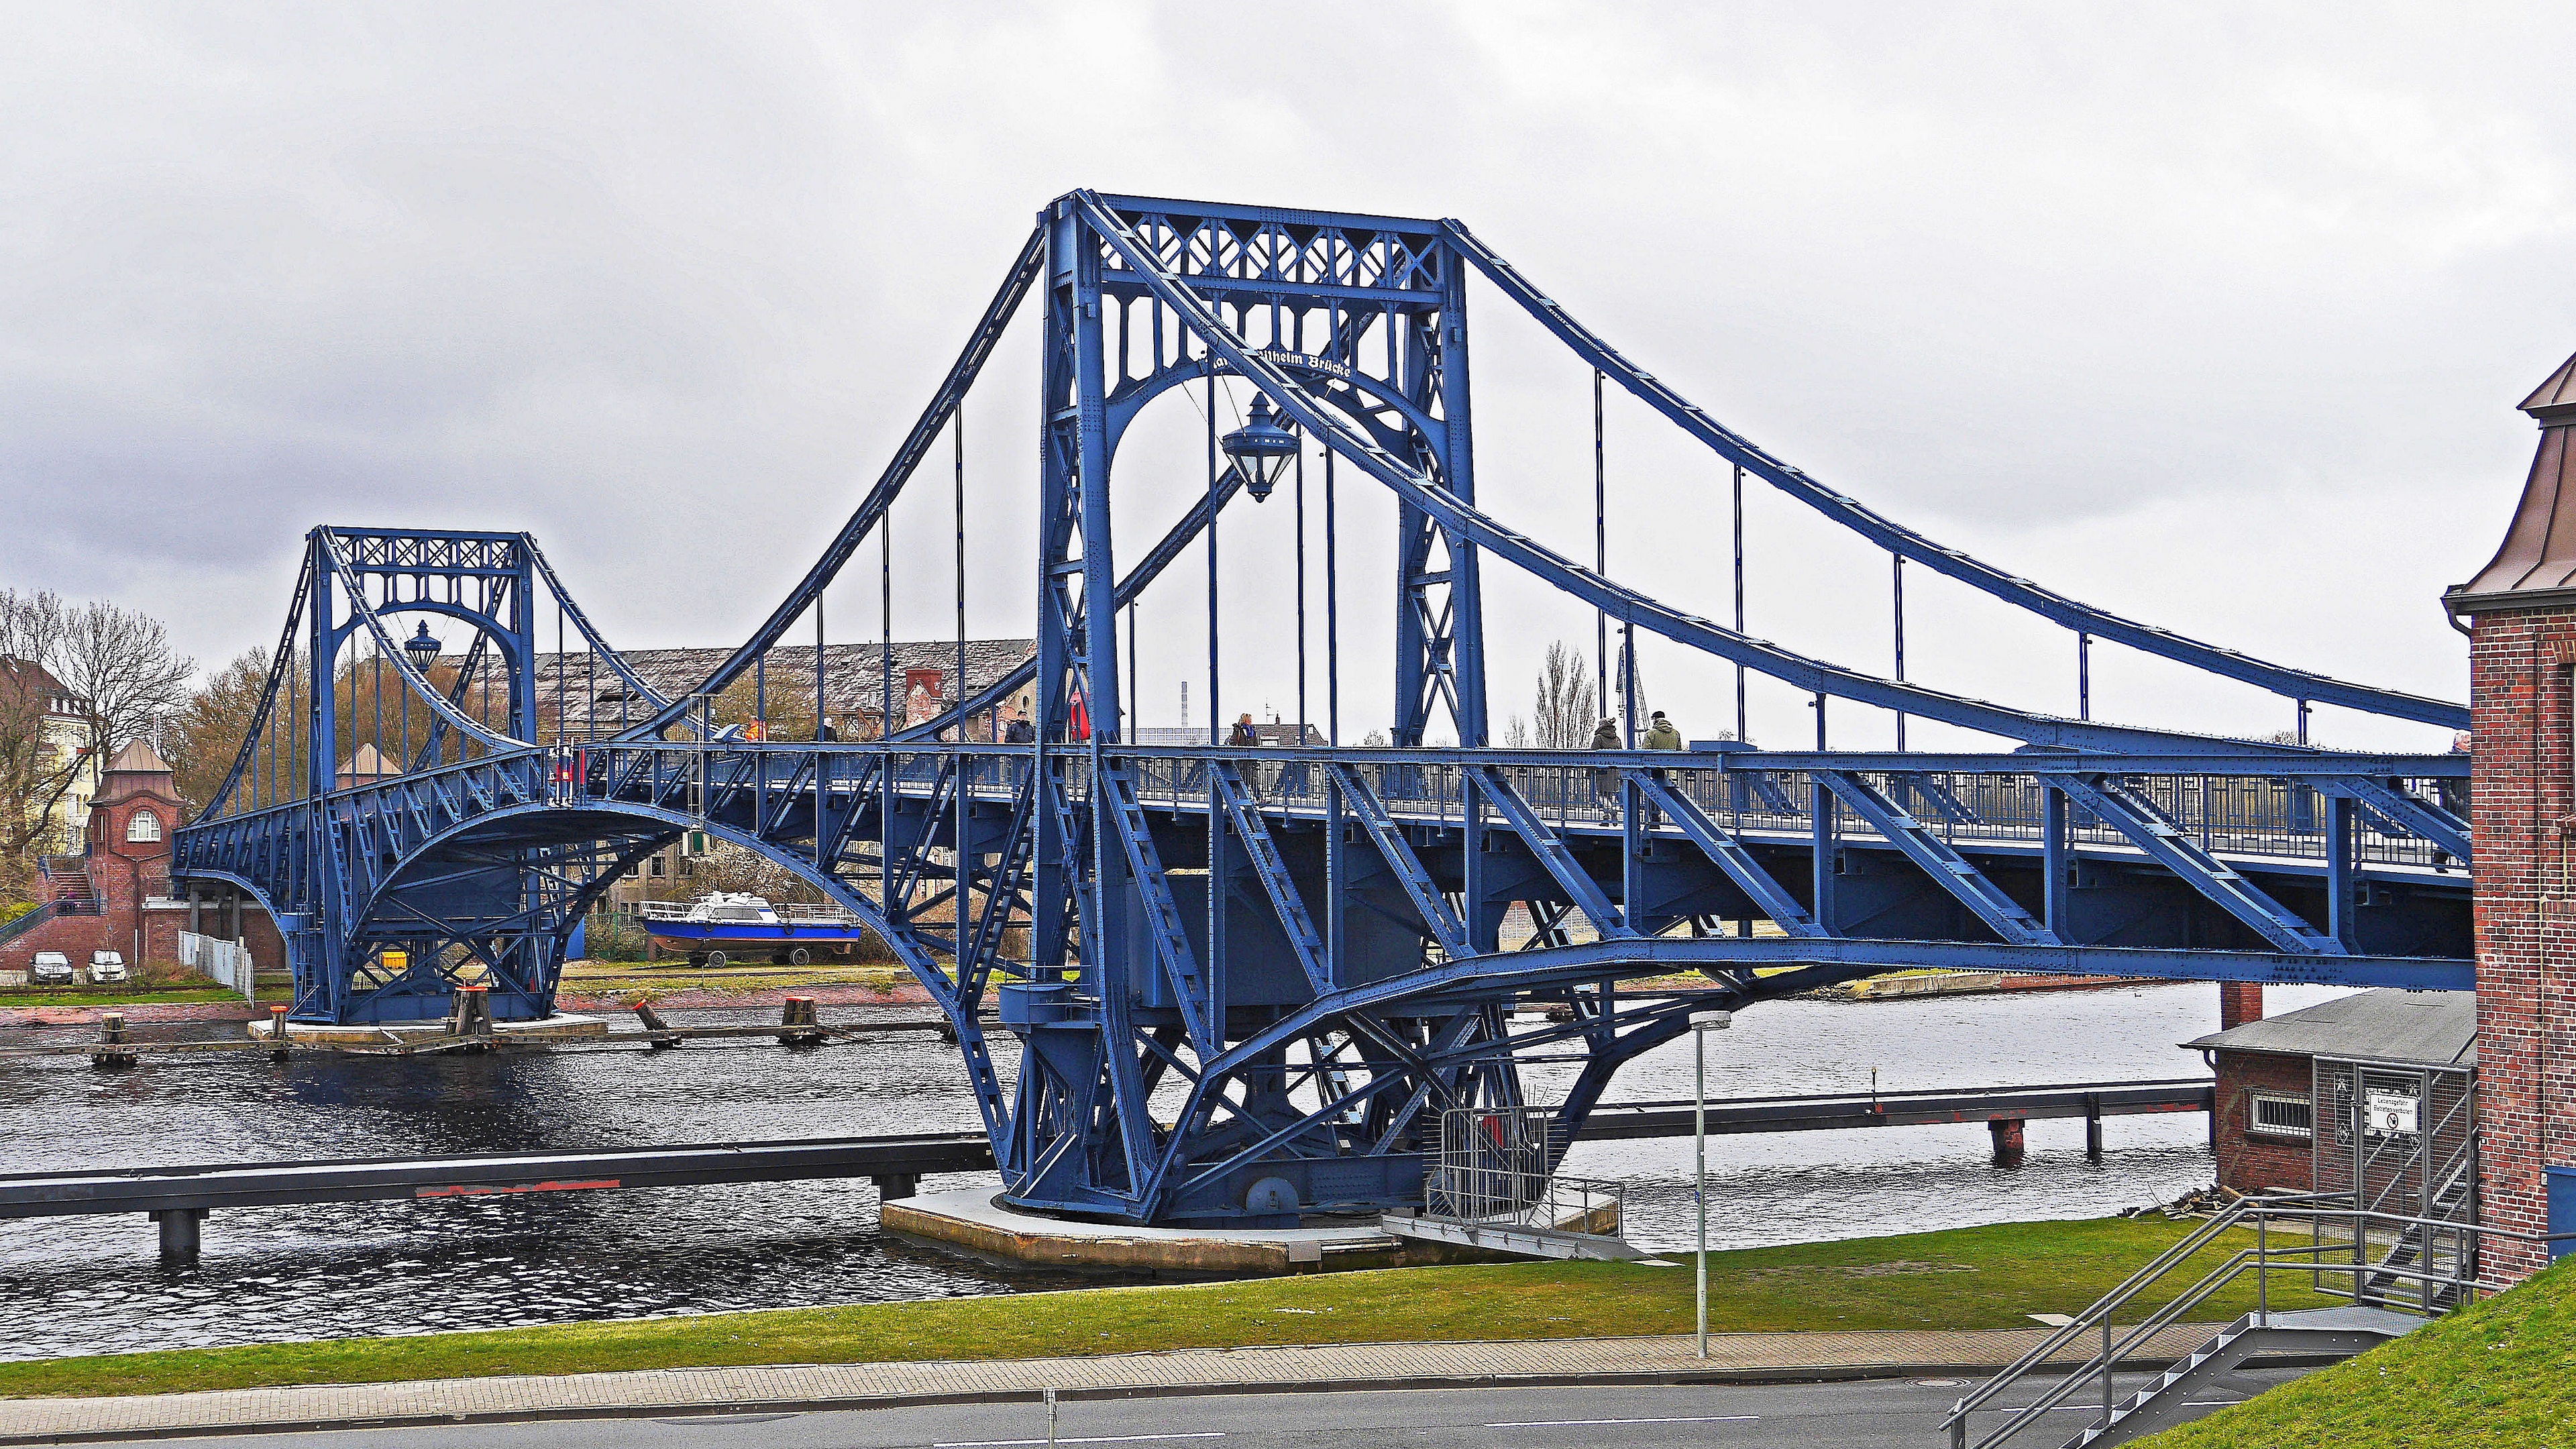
(727, 926)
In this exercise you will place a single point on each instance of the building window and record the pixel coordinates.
(656, 863)
(2278, 1114)
(144, 826)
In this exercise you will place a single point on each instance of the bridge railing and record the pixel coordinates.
(2242, 815)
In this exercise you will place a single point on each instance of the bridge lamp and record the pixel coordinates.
(1260, 449)
(421, 648)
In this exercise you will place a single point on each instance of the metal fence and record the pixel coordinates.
(1497, 1169)
(2403, 1141)
(226, 963)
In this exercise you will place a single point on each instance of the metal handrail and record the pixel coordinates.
(2311, 1208)
(2128, 1288)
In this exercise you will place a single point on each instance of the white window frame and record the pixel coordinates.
(2255, 1125)
(135, 828)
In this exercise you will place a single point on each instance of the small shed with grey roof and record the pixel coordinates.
(2266, 1121)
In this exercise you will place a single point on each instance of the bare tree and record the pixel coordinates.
(118, 675)
(1565, 700)
(207, 733)
(37, 767)
(119, 663)
(1516, 735)
(32, 626)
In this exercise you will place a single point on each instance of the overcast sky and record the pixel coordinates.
(2216, 319)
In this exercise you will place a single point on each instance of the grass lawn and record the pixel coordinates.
(2500, 1373)
(1965, 1278)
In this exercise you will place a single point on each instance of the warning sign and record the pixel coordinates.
(2390, 1113)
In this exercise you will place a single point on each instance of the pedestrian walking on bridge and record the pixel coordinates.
(1660, 735)
(1605, 783)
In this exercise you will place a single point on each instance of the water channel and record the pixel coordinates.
(95, 1285)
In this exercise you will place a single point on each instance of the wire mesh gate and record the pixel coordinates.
(2400, 1141)
(1497, 1166)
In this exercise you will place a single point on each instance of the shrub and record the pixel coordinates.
(613, 936)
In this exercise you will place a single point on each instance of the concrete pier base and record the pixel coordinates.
(973, 1221)
(553, 1028)
(179, 1235)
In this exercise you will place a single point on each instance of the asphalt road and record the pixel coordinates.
(1898, 1413)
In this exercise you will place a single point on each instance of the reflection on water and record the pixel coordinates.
(85, 1285)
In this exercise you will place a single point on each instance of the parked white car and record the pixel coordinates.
(51, 968)
(106, 966)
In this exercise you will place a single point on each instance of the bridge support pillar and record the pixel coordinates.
(179, 1236)
(2007, 1135)
(892, 1185)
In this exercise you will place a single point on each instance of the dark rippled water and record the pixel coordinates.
(88, 1285)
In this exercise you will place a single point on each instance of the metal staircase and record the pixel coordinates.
(67, 884)
(2313, 1336)
(2436, 1240)
(2287, 1241)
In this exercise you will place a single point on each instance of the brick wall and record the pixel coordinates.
(2254, 1161)
(124, 875)
(2526, 919)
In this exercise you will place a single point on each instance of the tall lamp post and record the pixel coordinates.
(1702, 1023)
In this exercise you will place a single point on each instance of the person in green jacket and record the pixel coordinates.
(1660, 735)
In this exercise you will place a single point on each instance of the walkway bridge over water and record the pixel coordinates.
(1232, 969)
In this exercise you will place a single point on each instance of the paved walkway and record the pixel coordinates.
(1743, 1357)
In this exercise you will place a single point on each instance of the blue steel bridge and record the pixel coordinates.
(1226, 967)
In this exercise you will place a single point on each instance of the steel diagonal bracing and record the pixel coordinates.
(1906, 543)
(2392, 803)
(1388, 836)
(1162, 914)
(1729, 855)
(1948, 869)
(1267, 863)
(2115, 804)
(1560, 864)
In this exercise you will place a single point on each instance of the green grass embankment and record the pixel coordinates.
(2499, 1373)
(1989, 1277)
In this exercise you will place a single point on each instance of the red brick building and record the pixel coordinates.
(119, 886)
(2267, 1114)
(2522, 667)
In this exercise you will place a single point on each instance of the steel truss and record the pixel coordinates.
(1243, 978)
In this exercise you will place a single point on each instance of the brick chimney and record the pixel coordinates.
(2239, 1002)
(2522, 667)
